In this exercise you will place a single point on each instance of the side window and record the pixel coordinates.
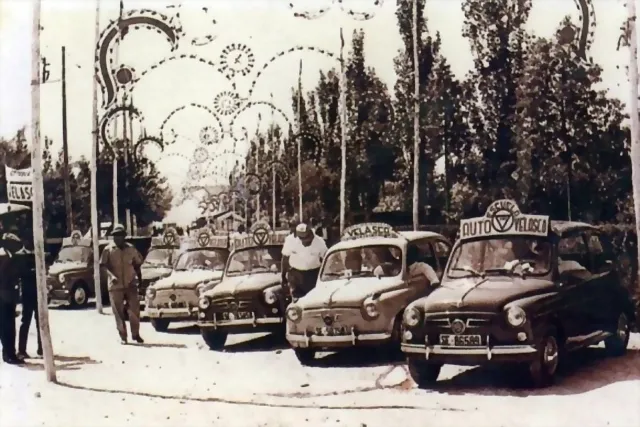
(573, 256)
(442, 249)
(426, 253)
(595, 245)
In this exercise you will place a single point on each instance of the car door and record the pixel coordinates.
(604, 307)
(574, 276)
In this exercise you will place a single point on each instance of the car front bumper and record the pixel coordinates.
(255, 324)
(336, 341)
(59, 295)
(470, 355)
(175, 314)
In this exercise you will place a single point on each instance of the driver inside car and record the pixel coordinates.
(419, 268)
(388, 264)
(353, 262)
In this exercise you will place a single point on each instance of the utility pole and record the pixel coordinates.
(343, 135)
(416, 120)
(38, 200)
(116, 156)
(633, 107)
(95, 234)
(258, 166)
(131, 219)
(65, 147)
(298, 140)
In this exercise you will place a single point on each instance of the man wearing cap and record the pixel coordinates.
(8, 297)
(122, 262)
(301, 260)
(28, 282)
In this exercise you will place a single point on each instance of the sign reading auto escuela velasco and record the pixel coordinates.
(504, 217)
(19, 184)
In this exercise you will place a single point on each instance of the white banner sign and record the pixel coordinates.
(19, 184)
(504, 217)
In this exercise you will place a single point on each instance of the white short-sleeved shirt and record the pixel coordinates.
(303, 257)
(426, 270)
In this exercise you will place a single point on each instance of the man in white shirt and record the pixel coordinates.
(418, 268)
(301, 260)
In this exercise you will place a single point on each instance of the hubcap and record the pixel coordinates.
(623, 327)
(550, 356)
(80, 295)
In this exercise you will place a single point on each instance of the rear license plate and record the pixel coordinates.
(460, 340)
(237, 315)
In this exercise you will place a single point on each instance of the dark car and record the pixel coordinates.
(159, 261)
(519, 289)
(250, 298)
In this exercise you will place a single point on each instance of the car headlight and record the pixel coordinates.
(516, 316)
(294, 313)
(204, 303)
(371, 309)
(201, 288)
(151, 293)
(62, 278)
(411, 316)
(270, 297)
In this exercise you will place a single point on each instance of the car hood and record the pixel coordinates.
(244, 284)
(346, 292)
(155, 273)
(66, 267)
(477, 294)
(186, 279)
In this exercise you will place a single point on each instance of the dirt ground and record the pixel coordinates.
(175, 380)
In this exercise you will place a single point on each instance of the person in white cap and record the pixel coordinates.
(301, 260)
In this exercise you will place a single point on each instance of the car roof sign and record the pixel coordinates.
(369, 229)
(503, 217)
(260, 235)
(205, 239)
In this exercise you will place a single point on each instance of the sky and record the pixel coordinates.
(267, 27)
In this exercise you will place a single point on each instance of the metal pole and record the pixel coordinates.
(65, 148)
(116, 207)
(343, 135)
(633, 107)
(38, 200)
(298, 140)
(416, 119)
(127, 212)
(273, 172)
(94, 185)
(258, 166)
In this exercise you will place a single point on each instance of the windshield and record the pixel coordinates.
(379, 260)
(202, 259)
(74, 254)
(255, 260)
(505, 255)
(160, 258)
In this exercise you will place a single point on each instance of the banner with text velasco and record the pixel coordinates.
(369, 229)
(19, 184)
(503, 217)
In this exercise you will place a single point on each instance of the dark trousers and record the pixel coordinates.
(8, 328)
(29, 309)
(302, 281)
(118, 298)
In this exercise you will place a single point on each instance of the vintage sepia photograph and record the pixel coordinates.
(358, 213)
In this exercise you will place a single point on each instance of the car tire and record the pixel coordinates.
(423, 373)
(543, 370)
(214, 339)
(160, 325)
(306, 356)
(79, 295)
(616, 345)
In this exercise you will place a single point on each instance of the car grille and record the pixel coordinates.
(471, 320)
(230, 304)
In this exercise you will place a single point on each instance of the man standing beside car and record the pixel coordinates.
(122, 262)
(301, 260)
(9, 298)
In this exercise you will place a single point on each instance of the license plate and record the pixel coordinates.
(332, 330)
(237, 315)
(460, 340)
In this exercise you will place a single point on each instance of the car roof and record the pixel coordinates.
(398, 241)
(565, 227)
(416, 235)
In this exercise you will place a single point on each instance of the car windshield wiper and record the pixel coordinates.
(469, 270)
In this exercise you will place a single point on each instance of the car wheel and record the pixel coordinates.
(214, 339)
(543, 369)
(423, 373)
(616, 345)
(160, 325)
(306, 356)
(79, 296)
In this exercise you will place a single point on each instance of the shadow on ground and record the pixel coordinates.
(63, 363)
(586, 370)
(355, 357)
(268, 342)
(184, 330)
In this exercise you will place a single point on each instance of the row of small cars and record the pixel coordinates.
(514, 289)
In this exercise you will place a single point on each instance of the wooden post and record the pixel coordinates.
(633, 112)
(343, 135)
(416, 120)
(130, 219)
(65, 148)
(95, 233)
(38, 200)
(258, 166)
(298, 140)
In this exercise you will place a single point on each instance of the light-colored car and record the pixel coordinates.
(362, 289)
(159, 261)
(250, 298)
(200, 265)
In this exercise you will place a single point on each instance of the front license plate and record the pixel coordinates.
(237, 315)
(460, 340)
(333, 331)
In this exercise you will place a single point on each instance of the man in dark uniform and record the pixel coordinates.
(27, 270)
(8, 298)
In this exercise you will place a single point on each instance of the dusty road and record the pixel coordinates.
(173, 379)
